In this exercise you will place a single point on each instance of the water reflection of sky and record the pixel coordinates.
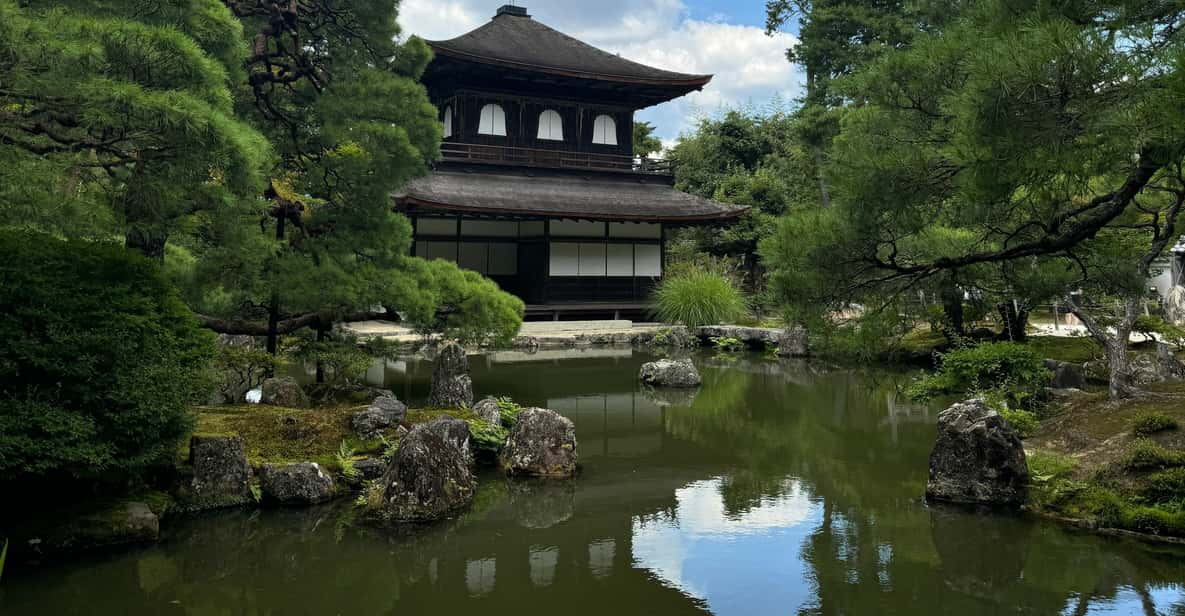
(736, 564)
(1128, 601)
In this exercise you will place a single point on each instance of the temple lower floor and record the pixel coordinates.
(552, 264)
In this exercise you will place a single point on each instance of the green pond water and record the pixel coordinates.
(777, 488)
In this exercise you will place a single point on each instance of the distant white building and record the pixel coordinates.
(1167, 270)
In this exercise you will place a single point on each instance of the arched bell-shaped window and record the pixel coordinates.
(448, 122)
(604, 130)
(493, 121)
(551, 127)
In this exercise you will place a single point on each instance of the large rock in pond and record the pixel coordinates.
(542, 443)
(670, 373)
(1066, 375)
(304, 483)
(221, 475)
(430, 477)
(488, 411)
(382, 413)
(285, 392)
(451, 386)
(977, 458)
(119, 524)
(454, 432)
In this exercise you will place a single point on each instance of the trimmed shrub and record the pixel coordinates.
(1024, 422)
(100, 359)
(1166, 486)
(698, 298)
(1143, 455)
(1010, 368)
(1151, 423)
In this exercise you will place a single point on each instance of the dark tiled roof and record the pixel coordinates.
(520, 41)
(589, 197)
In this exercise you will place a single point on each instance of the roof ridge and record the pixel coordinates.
(502, 39)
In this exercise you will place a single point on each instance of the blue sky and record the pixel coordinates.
(724, 38)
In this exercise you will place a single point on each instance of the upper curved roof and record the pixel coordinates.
(515, 40)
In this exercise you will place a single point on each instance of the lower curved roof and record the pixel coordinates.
(638, 199)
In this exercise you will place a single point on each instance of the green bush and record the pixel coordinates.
(1155, 521)
(1165, 486)
(1151, 423)
(1008, 367)
(100, 359)
(698, 298)
(239, 369)
(343, 362)
(1143, 455)
(1024, 422)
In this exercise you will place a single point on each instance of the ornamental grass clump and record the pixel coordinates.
(698, 298)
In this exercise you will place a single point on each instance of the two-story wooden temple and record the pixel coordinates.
(538, 187)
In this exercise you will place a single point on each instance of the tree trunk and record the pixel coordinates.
(273, 308)
(1119, 378)
(151, 245)
(1015, 318)
(1119, 385)
(273, 326)
(824, 193)
(953, 326)
(320, 364)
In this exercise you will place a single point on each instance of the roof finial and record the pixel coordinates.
(512, 9)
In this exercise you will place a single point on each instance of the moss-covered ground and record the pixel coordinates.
(277, 435)
(1114, 466)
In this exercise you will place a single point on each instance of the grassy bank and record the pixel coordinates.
(1114, 467)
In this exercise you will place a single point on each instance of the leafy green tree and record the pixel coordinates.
(836, 38)
(115, 120)
(100, 362)
(1026, 145)
(338, 95)
(645, 143)
(744, 158)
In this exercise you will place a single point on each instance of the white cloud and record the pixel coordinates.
(750, 68)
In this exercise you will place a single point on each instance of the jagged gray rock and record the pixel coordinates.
(542, 443)
(794, 343)
(451, 386)
(370, 468)
(487, 409)
(430, 477)
(1168, 365)
(977, 458)
(670, 373)
(454, 432)
(1065, 375)
(285, 392)
(383, 412)
(304, 483)
(221, 475)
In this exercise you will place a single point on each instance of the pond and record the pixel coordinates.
(777, 488)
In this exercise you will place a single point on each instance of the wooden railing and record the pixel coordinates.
(559, 159)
